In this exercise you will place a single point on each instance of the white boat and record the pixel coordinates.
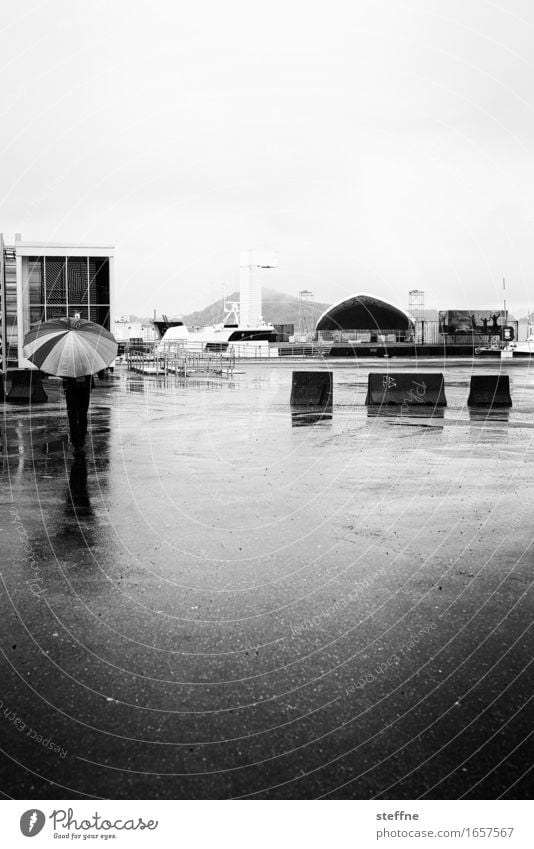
(228, 337)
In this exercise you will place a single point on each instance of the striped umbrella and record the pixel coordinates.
(70, 347)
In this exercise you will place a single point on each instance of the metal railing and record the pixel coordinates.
(175, 359)
(304, 349)
(237, 350)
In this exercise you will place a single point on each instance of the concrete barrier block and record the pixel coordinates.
(406, 389)
(489, 390)
(26, 386)
(312, 389)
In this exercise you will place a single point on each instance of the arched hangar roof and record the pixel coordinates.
(365, 312)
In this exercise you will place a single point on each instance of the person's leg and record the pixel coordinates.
(72, 413)
(84, 396)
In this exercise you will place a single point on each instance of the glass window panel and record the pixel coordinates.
(102, 315)
(35, 279)
(99, 279)
(55, 280)
(56, 312)
(77, 284)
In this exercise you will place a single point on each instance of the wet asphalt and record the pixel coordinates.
(228, 599)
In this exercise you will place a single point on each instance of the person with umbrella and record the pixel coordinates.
(73, 349)
(78, 396)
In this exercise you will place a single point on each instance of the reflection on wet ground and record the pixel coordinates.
(488, 415)
(409, 415)
(78, 503)
(226, 597)
(151, 384)
(304, 417)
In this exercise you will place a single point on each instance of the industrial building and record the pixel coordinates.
(43, 280)
(366, 325)
(365, 318)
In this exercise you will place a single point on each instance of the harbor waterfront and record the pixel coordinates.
(229, 597)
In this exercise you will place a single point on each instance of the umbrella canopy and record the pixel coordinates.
(70, 347)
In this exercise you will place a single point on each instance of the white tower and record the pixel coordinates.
(416, 304)
(306, 320)
(416, 308)
(253, 265)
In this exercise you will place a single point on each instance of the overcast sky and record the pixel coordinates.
(374, 145)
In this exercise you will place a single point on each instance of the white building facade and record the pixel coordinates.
(44, 280)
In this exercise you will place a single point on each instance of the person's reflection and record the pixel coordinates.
(78, 502)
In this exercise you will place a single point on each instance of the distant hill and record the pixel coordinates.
(278, 308)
